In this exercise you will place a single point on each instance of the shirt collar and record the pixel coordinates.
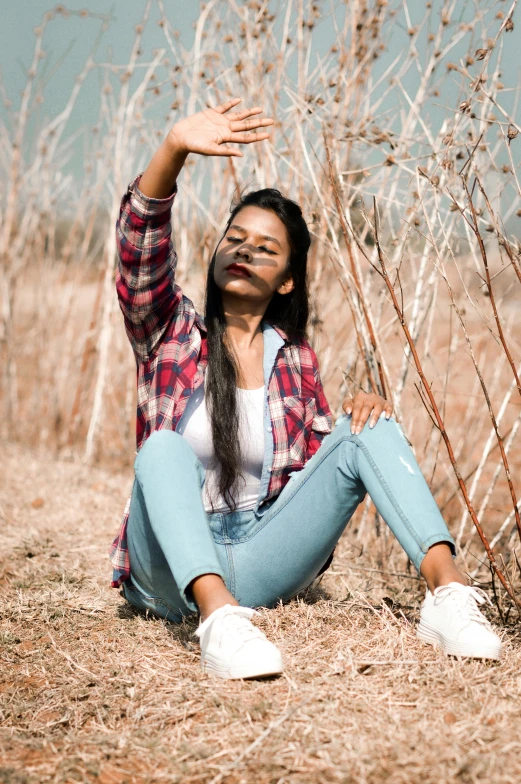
(273, 340)
(200, 322)
(267, 326)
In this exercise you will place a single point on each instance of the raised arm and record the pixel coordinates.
(145, 279)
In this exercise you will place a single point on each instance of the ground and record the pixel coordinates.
(91, 691)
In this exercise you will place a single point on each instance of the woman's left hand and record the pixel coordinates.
(362, 405)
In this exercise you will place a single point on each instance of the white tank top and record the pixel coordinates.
(195, 427)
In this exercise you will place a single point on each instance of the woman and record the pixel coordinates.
(242, 488)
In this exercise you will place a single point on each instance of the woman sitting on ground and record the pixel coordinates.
(242, 486)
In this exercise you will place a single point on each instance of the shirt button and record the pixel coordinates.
(270, 429)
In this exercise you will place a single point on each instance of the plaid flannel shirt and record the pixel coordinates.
(168, 338)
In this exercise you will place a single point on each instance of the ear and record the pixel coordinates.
(286, 287)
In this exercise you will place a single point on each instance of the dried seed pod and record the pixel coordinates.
(512, 132)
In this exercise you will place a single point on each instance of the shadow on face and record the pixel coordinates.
(257, 241)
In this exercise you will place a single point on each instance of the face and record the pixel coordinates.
(256, 241)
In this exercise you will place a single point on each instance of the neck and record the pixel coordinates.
(243, 322)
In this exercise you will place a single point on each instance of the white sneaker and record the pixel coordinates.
(450, 618)
(232, 647)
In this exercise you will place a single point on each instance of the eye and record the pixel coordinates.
(262, 247)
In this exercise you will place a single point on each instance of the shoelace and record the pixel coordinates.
(466, 599)
(242, 625)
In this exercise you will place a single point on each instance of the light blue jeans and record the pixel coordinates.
(272, 553)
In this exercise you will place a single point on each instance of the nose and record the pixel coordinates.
(244, 252)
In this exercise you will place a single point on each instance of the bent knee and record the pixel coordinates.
(161, 443)
(382, 427)
(387, 433)
(342, 425)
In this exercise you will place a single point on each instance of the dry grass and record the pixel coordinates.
(91, 691)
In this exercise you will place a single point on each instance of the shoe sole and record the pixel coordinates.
(213, 667)
(432, 636)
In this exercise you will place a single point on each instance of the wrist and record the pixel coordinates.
(175, 144)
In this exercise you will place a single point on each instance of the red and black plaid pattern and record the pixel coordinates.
(169, 342)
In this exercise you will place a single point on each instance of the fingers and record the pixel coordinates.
(242, 115)
(376, 413)
(361, 411)
(243, 120)
(249, 124)
(347, 405)
(222, 150)
(224, 107)
(363, 406)
(227, 105)
(248, 138)
(241, 138)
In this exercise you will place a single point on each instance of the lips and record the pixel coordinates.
(238, 269)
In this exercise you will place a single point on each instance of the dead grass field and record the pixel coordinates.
(91, 691)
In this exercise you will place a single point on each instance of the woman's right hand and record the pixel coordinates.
(208, 131)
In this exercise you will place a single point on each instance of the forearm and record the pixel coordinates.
(159, 178)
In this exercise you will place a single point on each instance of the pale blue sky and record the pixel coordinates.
(72, 38)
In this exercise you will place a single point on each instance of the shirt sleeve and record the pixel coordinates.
(145, 276)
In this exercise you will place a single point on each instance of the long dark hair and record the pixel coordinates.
(289, 311)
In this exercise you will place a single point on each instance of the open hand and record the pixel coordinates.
(361, 405)
(207, 132)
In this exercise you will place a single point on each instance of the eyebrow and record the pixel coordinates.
(263, 236)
